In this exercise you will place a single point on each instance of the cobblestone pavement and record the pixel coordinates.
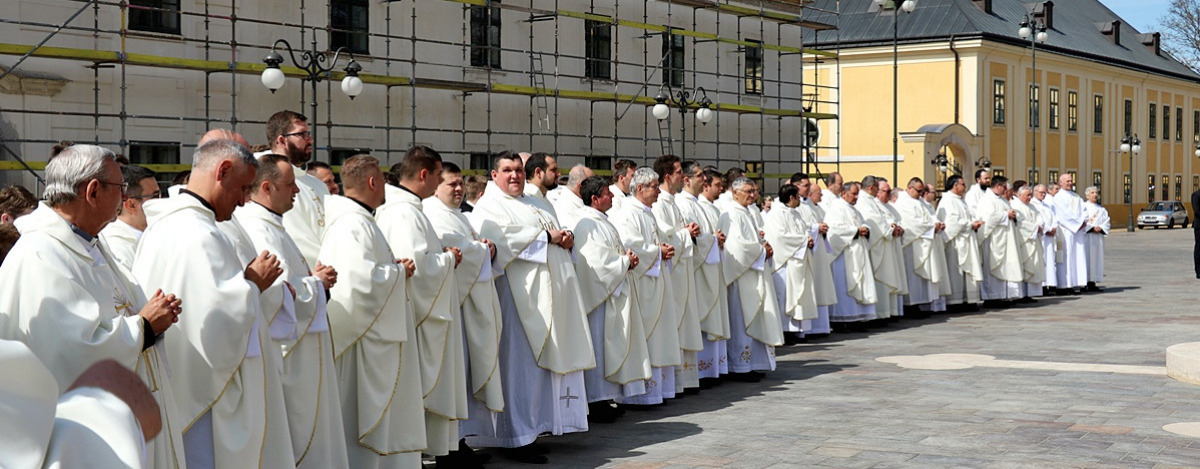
(831, 403)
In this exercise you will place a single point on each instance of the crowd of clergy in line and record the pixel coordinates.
(279, 320)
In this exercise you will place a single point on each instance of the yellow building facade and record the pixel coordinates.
(969, 96)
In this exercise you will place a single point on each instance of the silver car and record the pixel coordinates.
(1165, 213)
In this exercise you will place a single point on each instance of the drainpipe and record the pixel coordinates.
(957, 84)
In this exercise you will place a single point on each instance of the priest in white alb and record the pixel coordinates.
(289, 135)
(1030, 227)
(1000, 247)
(432, 294)
(680, 234)
(887, 261)
(753, 311)
(710, 295)
(476, 297)
(545, 344)
(1098, 226)
(853, 276)
(604, 267)
(1072, 220)
(309, 378)
(822, 254)
(568, 204)
(622, 173)
(120, 237)
(72, 304)
(374, 333)
(1050, 236)
(792, 240)
(224, 371)
(638, 231)
(964, 264)
(924, 250)
(983, 185)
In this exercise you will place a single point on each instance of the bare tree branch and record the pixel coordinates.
(1181, 32)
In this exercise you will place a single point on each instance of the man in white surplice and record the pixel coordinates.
(65, 297)
(924, 248)
(1050, 236)
(224, 371)
(999, 246)
(637, 229)
(963, 261)
(545, 344)
(622, 174)
(568, 204)
(793, 240)
(887, 260)
(755, 327)
(372, 325)
(606, 281)
(1072, 220)
(309, 378)
(681, 279)
(983, 185)
(289, 135)
(120, 237)
(1030, 227)
(853, 277)
(822, 261)
(431, 293)
(1098, 225)
(710, 296)
(476, 296)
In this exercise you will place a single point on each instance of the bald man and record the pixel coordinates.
(567, 200)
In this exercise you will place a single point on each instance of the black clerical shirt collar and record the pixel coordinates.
(87, 237)
(364, 206)
(201, 199)
(405, 189)
(280, 215)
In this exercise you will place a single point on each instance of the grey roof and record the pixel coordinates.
(1075, 31)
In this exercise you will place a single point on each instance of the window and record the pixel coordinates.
(997, 171)
(1097, 179)
(1053, 116)
(754, 68)
(1033, 176)
(1195, 185)
(998, 102)
(338, 156)
(1178, 188)
(598, 44)
(1035, 106)
(1150, 187)
(1128, 117)
(1074, 177)
(157, 16)
(349, 24)
(1098, 114)
(1166, 193)
(1196, 127)
(598, 163)
(1127, 183)
(480, 161)
(1072, 111)
(1166, 122)
(143, 153)
(1153, 131)
(485, 35)
(1053, 174)
(673, 55)
(1178, 124)
(755, 167)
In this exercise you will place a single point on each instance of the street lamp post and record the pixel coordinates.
(1035, 31)
(314, 64)
(907, 6)
(1133, 146)
(683, 100)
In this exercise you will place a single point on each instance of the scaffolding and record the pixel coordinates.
(415, 67)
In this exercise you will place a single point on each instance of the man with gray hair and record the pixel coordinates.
(1098, 225)
(754, 322)
(224, 370)
(639, 232)
(64, 296)
(1050, 238)
(567, 200)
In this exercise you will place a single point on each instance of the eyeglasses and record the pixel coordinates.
(153, 195)
(305, 134)
(123, 185)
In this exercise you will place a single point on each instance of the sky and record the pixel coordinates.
(1141, 14)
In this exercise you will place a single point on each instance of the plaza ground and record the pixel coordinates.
(1043, 402)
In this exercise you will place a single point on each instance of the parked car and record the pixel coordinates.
(1165, 213)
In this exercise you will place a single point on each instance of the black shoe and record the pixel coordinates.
(603, 412)
(464, 449)
(526, 454)
(709, 383)
(458, 460)
(751, 377)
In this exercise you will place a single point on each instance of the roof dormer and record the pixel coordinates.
(1111, 30)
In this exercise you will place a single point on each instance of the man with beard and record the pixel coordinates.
(983, 184)
(289, 135)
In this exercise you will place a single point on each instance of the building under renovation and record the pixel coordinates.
(577, 78)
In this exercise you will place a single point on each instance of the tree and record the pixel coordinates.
(1181, 32)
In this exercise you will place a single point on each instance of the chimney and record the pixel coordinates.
(1044, 11)
(985, 5)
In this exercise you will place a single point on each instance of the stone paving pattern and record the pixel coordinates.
(831, 404)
